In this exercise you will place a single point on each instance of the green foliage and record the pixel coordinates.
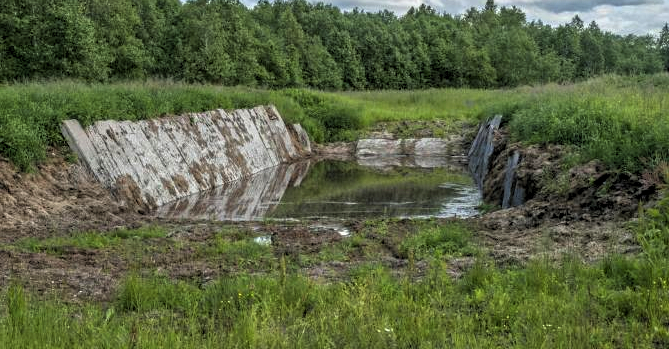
(620, 122)
(242, 253)
(300, 44)
(571, 305)
(90, 240)
(653, 231)
(155, 293)
(17, 307)
(338, 120)
(444, 240)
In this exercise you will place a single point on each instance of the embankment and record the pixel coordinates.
(535, 184)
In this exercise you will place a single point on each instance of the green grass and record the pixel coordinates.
(452, 240)
(434, 104)
(541, 306)
(618, 302)
(89, 240)
(242, 253)
(619, 120)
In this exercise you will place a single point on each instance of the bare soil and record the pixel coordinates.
(588, 216)
(59, 197)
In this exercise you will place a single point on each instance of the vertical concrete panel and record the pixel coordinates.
(176, 176)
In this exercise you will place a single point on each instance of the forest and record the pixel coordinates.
(295, 43)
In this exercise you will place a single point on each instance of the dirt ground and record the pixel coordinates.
(60, 199)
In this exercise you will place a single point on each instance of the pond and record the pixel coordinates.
(335, 189)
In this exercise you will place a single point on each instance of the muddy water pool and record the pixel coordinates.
(335, 189)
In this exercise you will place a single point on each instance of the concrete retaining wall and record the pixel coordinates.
(413, 147)
(153, 162)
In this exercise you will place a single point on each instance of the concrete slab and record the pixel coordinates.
(159, 161)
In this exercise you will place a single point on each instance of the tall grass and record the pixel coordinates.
(619, 303)
(619, 120)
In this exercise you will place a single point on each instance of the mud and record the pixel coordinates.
(188, 252)
(59, 197)
(557, 193)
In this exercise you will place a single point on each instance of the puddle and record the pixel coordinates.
(263, 240)
(341, 230)
(333, 189)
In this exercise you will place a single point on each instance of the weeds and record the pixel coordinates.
(90, 240)
(621, 301)
(446, 240)
(621, 121)
(625, 126)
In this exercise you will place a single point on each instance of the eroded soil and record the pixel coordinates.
(44, 213)
(58, 197)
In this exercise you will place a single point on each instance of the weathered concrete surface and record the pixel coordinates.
(302, 137)
(394, 147)
(514, 194)
(482, 149)
(383, 162)
(154, 162)
(486, 150)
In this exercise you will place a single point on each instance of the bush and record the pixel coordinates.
(339, 121)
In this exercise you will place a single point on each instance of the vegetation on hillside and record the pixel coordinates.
(619, 120)
(31, 114)
(294, 43)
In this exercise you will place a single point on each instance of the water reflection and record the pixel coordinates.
(338, 190)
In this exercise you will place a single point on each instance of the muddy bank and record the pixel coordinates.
(538, 197)
(59, 197)
(200, 252)
(555, 191)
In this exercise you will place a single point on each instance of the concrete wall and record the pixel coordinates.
(153, 162)
(414, 147)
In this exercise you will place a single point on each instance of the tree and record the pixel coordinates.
(50, 38)
(663, 45)
(591, 60)
(117, 23)
(296, 43)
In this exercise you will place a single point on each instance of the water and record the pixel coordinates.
(332, 189)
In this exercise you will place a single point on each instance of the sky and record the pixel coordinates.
(618, 16)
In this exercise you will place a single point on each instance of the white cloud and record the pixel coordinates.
(558, 6)
(638, 19)
(618, 16)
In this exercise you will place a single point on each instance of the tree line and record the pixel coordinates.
(294, 43)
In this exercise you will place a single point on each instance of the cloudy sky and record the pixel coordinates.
(619, 16)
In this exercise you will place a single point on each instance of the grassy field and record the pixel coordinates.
(619, 120)
(619, 302)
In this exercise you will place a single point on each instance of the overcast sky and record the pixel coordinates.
(618, 16)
